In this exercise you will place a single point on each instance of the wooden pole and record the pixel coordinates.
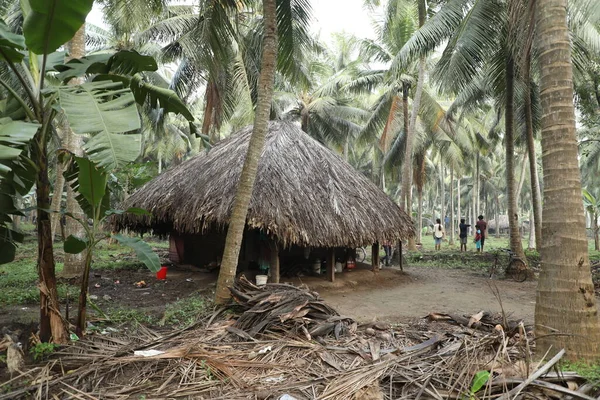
(400, 255)
(375, 256)
(331, 264)
(274, 262)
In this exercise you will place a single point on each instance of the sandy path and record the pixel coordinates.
(424, 290)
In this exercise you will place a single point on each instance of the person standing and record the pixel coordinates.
(463, 234)
(478, 237)
(438, 233)
(482, 226)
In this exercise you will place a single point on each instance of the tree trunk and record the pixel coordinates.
(442, 193)
(536, 197)
(74, 263)
(410, 133)
(497, 233)
(521, 181)
(451, 206)
(52, 326)
(513, 219)
(531, 244)
(420, 216)
(566, 315)
(59, 187)
(458, 210)
(477, 189)
(257, 140)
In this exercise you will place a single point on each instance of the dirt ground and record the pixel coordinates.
(389, 295)
(417, 291)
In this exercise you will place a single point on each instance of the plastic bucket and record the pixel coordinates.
(162, 273)
(261, 280)
(339, 267)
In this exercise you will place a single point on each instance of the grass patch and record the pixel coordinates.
(41, 351)
(591, 372)
(185, 312)
(127, 315)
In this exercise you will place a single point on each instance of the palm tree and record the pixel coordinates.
(237, 221)
(566, 315)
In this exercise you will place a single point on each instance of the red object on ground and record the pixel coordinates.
(350, 264)
(162, 273)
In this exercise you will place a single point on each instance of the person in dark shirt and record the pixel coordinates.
(463, 234)
(482, 226)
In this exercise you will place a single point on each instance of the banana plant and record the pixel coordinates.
(89, 181)
(103, 108)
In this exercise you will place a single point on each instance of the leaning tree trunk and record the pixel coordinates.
(513, 220)
(566, 315)
(243, 196)
(533, 174)
(74, 263)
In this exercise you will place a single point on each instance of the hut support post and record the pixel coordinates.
(274, 262)
(375, 256)
(400, 255)
(331, 264)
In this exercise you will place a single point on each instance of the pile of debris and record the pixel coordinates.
(294, 346)
(287, 309)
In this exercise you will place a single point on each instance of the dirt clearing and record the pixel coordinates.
(420, 290)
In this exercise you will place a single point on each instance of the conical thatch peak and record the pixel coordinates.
(304, 195)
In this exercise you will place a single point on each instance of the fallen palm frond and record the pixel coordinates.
(286, 308)
(423, 360)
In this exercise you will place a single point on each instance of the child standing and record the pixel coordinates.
(478, 240)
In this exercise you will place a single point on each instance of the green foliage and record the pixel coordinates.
(479, 381)
(41, 351)
(75, 245)
(125, 315)
(10, 44)
(51, 23)
(186, 311)
(124, 62)
(142, 249)
(89, 182)
(106, 110)
(591, 372)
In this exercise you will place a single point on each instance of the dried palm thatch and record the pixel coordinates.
(285, 308)
(206, 361)
(304, 195)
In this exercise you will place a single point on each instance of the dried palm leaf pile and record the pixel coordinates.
(288, 344)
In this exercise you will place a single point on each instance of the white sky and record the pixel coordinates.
(329, 16)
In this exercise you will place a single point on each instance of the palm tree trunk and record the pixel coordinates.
(458, 210)
(531, 244)
(497, 219)
(536, 197)
(442, 192)
(566, 316)
(420, 216)
(513, 220)
(451, 206)
(477, 189)
(257, 140)
(74, 263)
(521, 180)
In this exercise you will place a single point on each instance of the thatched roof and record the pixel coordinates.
(304, 194)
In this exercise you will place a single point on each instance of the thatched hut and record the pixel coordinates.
(307, 204)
